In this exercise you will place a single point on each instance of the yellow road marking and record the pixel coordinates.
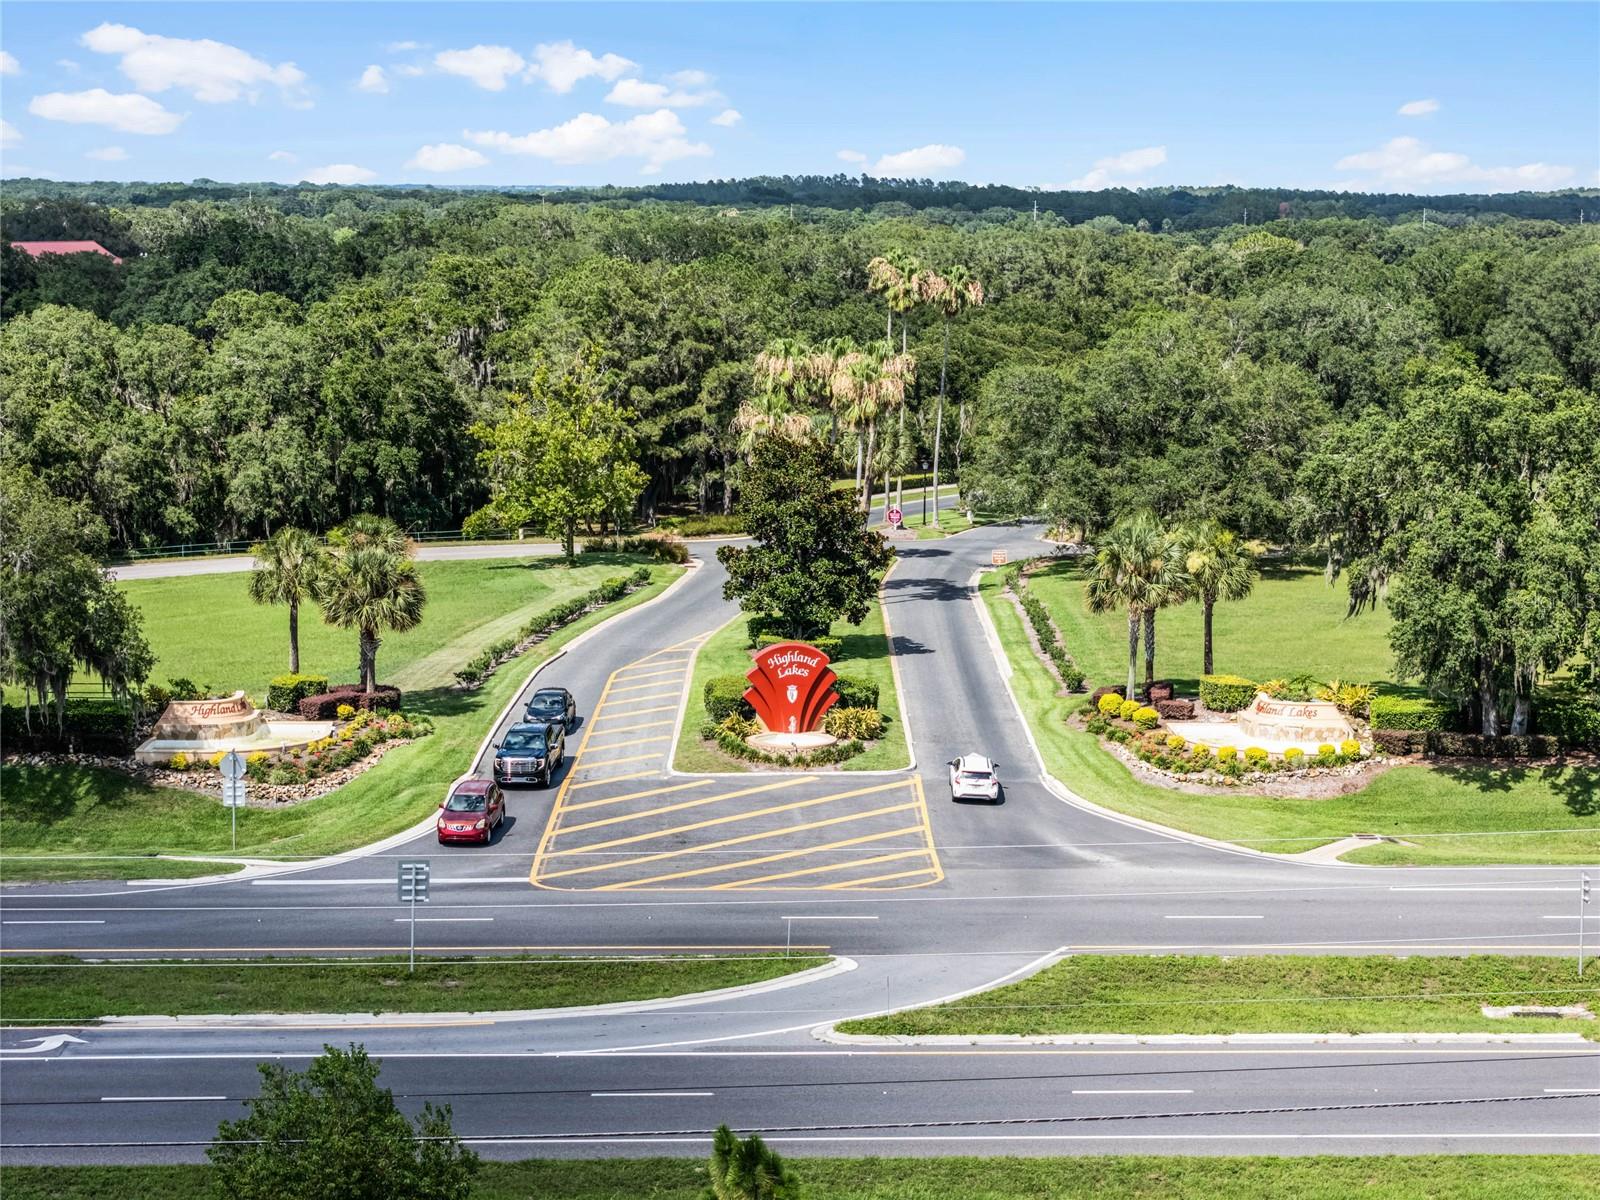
(775, 856)
(675, 787)
(638, 712)
(583, 759)
(566, 782)
(652, 674)
(639, 687)
(660, 737)
(650, 812)
(588, 783)
(733, 841)
(631, 728)
(851, 883)
(825, 868)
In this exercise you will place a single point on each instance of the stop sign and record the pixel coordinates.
(894, 515)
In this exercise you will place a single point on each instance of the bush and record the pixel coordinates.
(285, 774)
(1145, 717)
(1354, 699)
(285, 692)
(1175, 710)
(1572, 718)
(90, 724)
(1099, 692)
(860, 724)
(179, 762)
(737, 725)
(759, 626)
(1110, 703)
(1398, 741)
(1411, 712)
(345, 711)
(1127, 708)
(1227, 754)
(1350, 748)
(856, 693)
(657, 547)
(256, 766)
(724, 695)
(1226, 693)
(831, 646)
(1293, 756)
(1200, 752)
(325, 707)
(1255, 755)
(1175, 741)
(704, 525)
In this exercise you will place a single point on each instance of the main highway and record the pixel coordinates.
(919, 899)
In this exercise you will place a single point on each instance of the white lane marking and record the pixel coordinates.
(43, 1045)
(152, 1099)
(1482, 887)
(439, 920)
(1575, 1091)
(1133, 1091)
(636, 1095)
(1213, 917)
(386, 880)
(1569, 917)
(700, 1140)
(52, 922)
(825, 917)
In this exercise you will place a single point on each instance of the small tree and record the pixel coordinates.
(372, 586)
(289, 568)
(748, 1170)
(560, 455)
(334, 1134)
(1220, 567)
(1137, 567)
(813, 561)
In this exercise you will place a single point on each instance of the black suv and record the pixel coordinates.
(552, 704)
(530, 753)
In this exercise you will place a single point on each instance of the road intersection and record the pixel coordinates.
(924, 899)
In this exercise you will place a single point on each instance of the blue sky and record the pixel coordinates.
(1398, 97)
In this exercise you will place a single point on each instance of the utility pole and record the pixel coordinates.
(1583, 903)
(1036, 211)
(1247, 218)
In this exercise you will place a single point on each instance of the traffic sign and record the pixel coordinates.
(232, 765)
(895, 516)
(998, 558)
(233, 793)
(414, 881)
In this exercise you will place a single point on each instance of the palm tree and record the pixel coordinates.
(951, 293)
(372, 586)
(1220, 567)
(748, 1169)
(289, 569)
(769, 414)
(1138, 567)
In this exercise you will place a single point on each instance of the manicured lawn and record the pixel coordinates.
(1438, 1177)
(1293, 623)
(1266, 994)
(65, 989)
(205, 628)
(865, 656)
(67, 811)
(1483, 803)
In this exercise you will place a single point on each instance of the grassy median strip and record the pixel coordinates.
(55, 989)
(52, 813)
(1439, 1177)
(1155, 994)
(1558, 808)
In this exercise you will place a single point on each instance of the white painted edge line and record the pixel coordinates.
(1133, 1091)
(1574, 1091)
(52, 922)
(438, 920)
(894, 666)
(837, 966)
(153, 1099)
(644, 1095)
(405, 835)
(1208, 1039)
(1212, 917)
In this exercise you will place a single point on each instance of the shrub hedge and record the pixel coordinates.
(1044, 630)
(853, 724)
(1226, 693)
(1411, 712)
(657, 547)
(723, 696)
(1175, 710)
(1574, 719)
(704, 525)
(325, 706)
(735, 745)
(285, 692)
(90, 724)
(856, 693)
(831, 646)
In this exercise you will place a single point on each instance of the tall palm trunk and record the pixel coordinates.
(1133, 653)
(872, 442)
(294, 637)
(370, 641)
(938, 420)
(860, 441)
(1149, 647)
(1208, 603)
(900, 480)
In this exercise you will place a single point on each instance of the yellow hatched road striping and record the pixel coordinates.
(658, 791)
(638, 712)
(776, 856)
(642, 687)
(612, 762)
(827, 868)
(681, 805)
(605, 779)
(644, 741)
(652, 674)
(631, 728)
(861, 883)
(742, 839)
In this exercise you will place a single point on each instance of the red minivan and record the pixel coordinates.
(475, 809)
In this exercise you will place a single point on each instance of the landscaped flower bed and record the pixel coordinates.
(855, 721)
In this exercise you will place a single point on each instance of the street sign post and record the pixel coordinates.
(232, 768)
(997, 558)
(413, 881)
(1583, 903)
(895, 517)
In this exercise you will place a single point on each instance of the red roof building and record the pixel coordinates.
(38, 248)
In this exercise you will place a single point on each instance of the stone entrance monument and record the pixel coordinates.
(791, 687)
(203, 727)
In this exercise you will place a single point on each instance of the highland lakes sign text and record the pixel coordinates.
(791, 687)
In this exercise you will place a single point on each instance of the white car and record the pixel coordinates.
(974, 777)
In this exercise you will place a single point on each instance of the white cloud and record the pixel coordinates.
(1406, 162)
(690, 78)
(851, 156)
(9, 134)
(212, 72)
(68, 64)
(1120, 170)
(107, 154)
(562, 65)
(1417, 108)
(128, 112)
(446, 156)
(636, 93)
(486, 66)
(923, 161)
(410, 70)
(728, 118)
(658, 138)
(340, 173)
(9, 64)
(402, 47)
(282, 156)
(373, 80)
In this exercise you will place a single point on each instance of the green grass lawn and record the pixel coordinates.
(1267, 994)
(60, 812)
(1478, 803)
(470, 604)
(1124, 1177)
(55, 990)
(1292, 623)
(865, 656)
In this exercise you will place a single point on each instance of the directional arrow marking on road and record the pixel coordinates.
(53, 1042)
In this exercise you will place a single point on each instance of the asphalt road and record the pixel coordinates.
(926, 898)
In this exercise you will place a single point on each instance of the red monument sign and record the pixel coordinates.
(791, 686)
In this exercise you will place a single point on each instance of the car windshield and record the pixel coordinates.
(524, 740)
(548, 703)
(467, 802)
(976, 777)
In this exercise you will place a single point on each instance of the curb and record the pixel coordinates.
(835, 966)
(829, 1034)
